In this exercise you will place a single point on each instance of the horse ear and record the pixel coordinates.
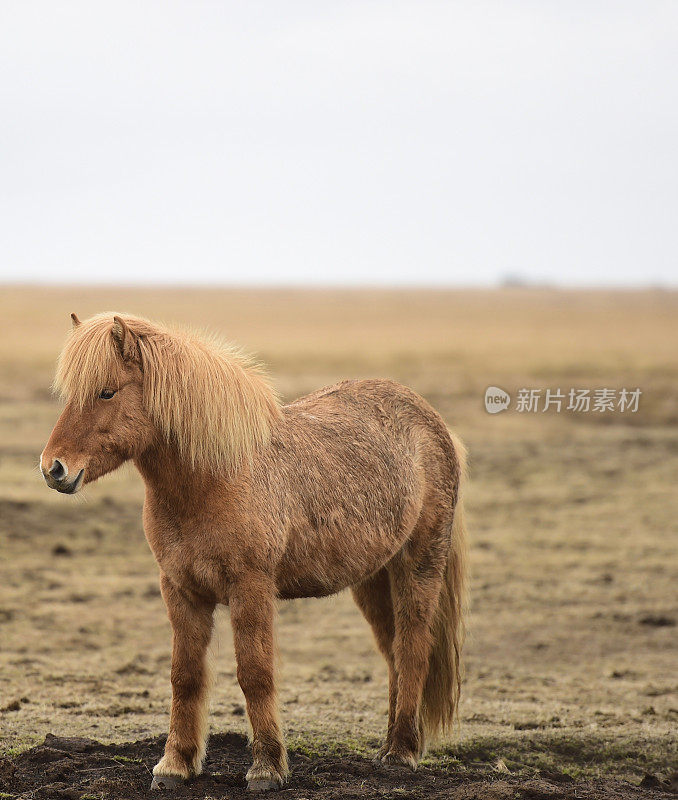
(124, 338)
(75, 319)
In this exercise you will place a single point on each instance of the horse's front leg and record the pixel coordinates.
(191, 620)
(252, 604)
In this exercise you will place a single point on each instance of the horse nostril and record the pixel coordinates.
(57, 470)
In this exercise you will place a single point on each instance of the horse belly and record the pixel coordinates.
(321, 562)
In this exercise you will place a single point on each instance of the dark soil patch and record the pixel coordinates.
(82, 769)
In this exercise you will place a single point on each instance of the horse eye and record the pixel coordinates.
(106, 394)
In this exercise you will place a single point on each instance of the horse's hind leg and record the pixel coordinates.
(416, 580)
(373, 598)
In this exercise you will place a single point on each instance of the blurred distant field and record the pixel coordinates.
(572, 651)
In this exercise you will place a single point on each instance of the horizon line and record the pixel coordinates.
(510, 284)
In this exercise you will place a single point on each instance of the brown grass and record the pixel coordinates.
(570, 659)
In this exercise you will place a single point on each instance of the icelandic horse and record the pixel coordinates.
(247, 500)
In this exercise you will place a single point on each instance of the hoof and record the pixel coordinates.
(164, 782)
(381, 753)
(396, 759)
(262, 785)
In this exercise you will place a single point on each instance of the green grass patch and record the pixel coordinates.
(579, 755)
(568, 753)
(127, 760)
(317, 746)
(17, 749)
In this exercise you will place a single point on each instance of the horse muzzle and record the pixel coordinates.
(57, 477)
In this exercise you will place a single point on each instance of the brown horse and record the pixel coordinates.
(356, 485)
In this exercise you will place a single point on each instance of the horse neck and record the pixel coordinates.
(171, 477)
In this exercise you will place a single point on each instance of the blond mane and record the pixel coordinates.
(208, 398)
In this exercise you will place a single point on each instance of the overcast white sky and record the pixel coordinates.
(339, 142)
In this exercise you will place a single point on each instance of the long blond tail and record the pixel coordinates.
(443, 683)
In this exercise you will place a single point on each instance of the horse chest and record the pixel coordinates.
(184, 555)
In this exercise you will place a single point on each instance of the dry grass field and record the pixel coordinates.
(571, 677)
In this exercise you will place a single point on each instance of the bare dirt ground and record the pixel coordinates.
(571, 683)
(76, 768)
